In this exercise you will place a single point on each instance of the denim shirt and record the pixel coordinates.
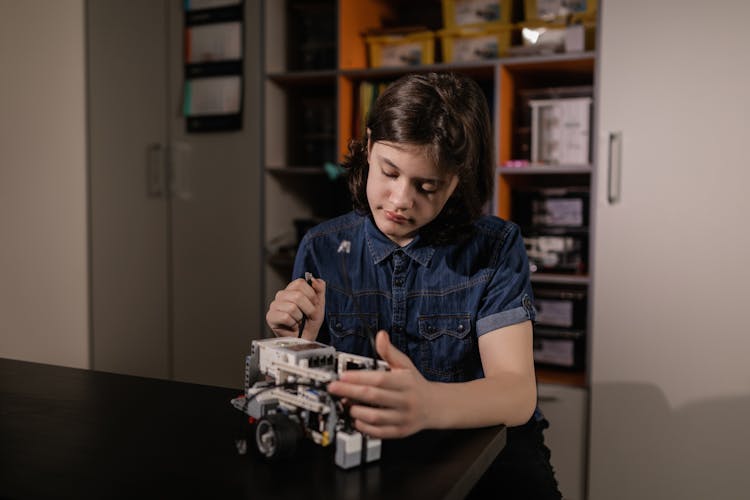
(435, 301)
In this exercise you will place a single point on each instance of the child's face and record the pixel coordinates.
(405, 189)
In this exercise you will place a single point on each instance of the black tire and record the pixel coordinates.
(276, 436)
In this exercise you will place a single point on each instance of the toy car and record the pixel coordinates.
(286, 399)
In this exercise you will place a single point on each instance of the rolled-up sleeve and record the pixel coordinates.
(508, 298)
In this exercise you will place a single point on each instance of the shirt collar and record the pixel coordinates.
(381, 247)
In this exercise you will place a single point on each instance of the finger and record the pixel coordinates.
(315, 290)
(381, 432)
(380, 417)
(319, 286)
(367, 394)
(277, 318)
(389, 353)
(299, 298)
(377, 378)
(286, 311)
(283, 330)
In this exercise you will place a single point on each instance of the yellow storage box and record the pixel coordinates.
(409, 49)
(551, 10)
(476, 43)
(457, 13)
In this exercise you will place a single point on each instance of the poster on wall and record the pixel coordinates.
(213, 58)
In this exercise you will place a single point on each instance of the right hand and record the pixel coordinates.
(285, 312)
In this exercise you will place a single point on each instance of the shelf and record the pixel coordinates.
(564, 61)
(292, 173)
(561, 377)
(545, 169)
(306, 77)
(563, 279)
(547, 230)
(296, 170)
(476, 69)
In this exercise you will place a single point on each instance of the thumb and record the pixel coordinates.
(389, 353)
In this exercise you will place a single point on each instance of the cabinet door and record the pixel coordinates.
(126, 48)
(565, 409)
(669, 370)
(215, 226)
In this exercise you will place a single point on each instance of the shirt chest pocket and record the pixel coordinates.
(350, 331)
(447, 347)
(457, 326)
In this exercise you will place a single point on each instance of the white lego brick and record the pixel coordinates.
(373, 449)
(348, 449)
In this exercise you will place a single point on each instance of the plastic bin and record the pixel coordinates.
(556, 253)
(560, 131)
(476, 43)
(409, 49)
(550, 10)
(561, 207)
(560, 349)
(560, 307)
(555, 36)
(458, 13)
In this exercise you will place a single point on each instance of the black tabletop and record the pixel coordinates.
(71, 433)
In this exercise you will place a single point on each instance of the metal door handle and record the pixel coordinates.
(614, 167)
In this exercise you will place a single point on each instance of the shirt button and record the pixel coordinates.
(338, 326)
(460, 327)
(398, 329)
(526, 302)
(398, 282)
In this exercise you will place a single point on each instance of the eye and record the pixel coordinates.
(427, 187)
(391, 175)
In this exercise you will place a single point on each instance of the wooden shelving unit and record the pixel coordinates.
(548, 376)
(298, 187)
(295, 185)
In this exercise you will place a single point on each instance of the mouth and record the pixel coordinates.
(394, 217)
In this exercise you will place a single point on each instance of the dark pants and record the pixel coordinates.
(522, 471)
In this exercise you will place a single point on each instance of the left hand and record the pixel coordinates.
(387, 404)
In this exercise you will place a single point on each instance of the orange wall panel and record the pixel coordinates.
(356, 17)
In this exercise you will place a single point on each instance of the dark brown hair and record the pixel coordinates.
(447, 114)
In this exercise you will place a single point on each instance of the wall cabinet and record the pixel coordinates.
(670, 385)
(174, 216)
(566, 408)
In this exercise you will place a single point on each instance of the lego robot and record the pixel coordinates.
(286, 399)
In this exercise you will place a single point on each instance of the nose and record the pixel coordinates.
(402, 196)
